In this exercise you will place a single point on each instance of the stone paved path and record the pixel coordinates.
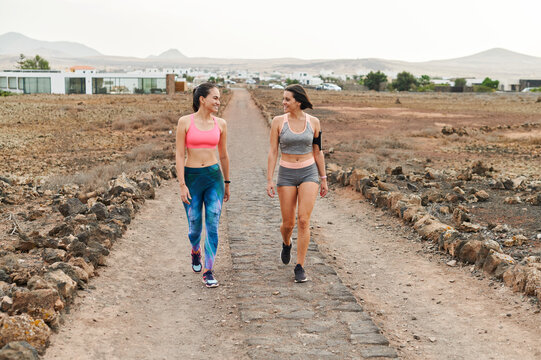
(319, 319)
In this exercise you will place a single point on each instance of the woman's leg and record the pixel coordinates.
(307, 195)
(288, 204)
(194, 211)
(213, 199)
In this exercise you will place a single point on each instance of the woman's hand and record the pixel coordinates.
(227, 193)
(324, 188)
(185, 194)
(270, 189)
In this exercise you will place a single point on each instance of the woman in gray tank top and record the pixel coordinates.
(302, 165)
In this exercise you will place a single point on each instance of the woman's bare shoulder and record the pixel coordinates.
(278, 120)
(184, 120)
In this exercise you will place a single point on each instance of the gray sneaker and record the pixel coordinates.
(286, 253)
(300, 276)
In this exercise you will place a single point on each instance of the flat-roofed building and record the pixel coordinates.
(81, 81)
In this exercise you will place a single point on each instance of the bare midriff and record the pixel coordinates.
(292, 158)
(200, 157)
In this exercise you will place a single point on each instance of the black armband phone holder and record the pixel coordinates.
(317, 141)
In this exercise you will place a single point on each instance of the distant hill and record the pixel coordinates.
(169, 54)
(13, 43)
(497, 63)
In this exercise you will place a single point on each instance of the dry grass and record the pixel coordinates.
(155, 122)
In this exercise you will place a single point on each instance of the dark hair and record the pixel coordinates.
(300, 95)
(202, 90)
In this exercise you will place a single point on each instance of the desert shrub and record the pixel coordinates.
(368, 161)
(460, 82)
(6, 93)
(373, 80)
(404, 81)
(92, 179)
(161, 122)
(146, 152)
(430, 132)
(536, 89)
(488, 82)
(534, 141)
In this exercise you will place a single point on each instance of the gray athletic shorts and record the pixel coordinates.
(295, 177)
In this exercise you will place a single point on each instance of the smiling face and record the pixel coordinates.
(289, 102)
(212, 101)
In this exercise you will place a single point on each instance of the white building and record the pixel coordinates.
(81, 81)
(306, 79)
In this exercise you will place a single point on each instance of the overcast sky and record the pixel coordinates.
(411, 30)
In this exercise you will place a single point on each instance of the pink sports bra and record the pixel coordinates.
(198, 139)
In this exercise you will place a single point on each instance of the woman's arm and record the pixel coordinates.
(320, 158)
(180, 155)
(273, 155)
(224, 158)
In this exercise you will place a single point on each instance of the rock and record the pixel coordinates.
(412, 187)
(63, 283)
(486, 247)
(432, 196)
(24, 328)
(533, 282)
(501, 228)
(460, 215)
(147, 190)
(100, 210)
(482, 195)
(123, 184)
(465, 175)
(479, 168)
(332, 167)
(518, 182)
(164, 173)
(81, 263)
(534, 199)
(445, 210)
(37, 282)
(450, 241)
(120, 213)
(508, 184)
(494, 259)
(512, 200)
(6, 303)
(431, 229)
(469, 227)
(72, 206)
(40, 304)
(383, 186)
(18, 350)
(412, 212)
(496, 184)
(52, 255)
(458, 190)
(470, 250)
(397, 171)
(451, 263)
(515, 240)
(75, 273)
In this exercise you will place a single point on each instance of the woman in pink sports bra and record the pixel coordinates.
(201, 180)
(302, 166)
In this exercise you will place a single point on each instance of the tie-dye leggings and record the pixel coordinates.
(206, 187)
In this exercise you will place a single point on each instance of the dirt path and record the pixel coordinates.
(427, 309)
(147, 303)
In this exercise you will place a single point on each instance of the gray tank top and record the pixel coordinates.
(296, 143)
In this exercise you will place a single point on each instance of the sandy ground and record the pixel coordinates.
(427, 309)
(147, 303)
